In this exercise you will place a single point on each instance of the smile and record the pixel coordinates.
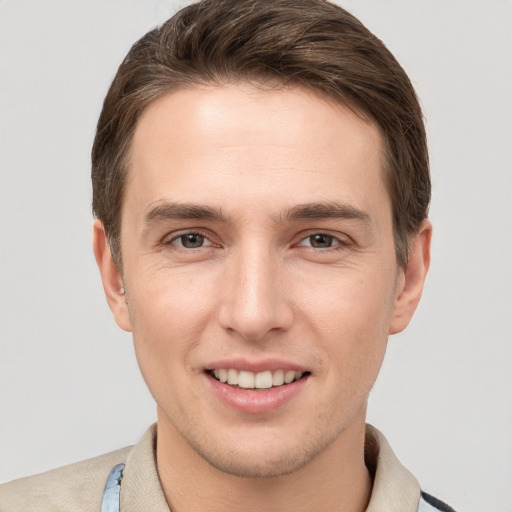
(262, 380)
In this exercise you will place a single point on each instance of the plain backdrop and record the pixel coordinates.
(69, 383)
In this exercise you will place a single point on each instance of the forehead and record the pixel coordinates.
(199, 143)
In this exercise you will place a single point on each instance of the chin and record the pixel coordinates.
(257, 466)
(268, 456)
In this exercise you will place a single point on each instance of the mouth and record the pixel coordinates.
(260, 381)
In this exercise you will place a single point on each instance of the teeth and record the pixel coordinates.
(246, 379)
(278, 378)
(289, 376)
(233, 377)
(261, 380)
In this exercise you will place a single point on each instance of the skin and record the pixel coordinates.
(267, 280)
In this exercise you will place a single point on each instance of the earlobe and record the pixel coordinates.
(112, 280)
(412, 279)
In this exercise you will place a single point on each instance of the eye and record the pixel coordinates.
(320, 241)
(191, 240)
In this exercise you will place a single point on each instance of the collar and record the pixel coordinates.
(141, 488)
(394, 488)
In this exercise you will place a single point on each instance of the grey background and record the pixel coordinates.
(69, 383)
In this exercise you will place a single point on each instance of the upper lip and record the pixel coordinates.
(256, 366)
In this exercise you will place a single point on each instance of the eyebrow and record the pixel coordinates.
(326, 210)
(183, 211)
(307, 211)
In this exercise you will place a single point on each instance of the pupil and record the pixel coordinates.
(192, 241)
(321, 240)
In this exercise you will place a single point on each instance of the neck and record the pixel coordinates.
(336, 480)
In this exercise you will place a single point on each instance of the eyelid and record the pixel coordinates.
(170, 238)
(341, 239)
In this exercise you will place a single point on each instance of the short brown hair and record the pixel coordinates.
(309, 43)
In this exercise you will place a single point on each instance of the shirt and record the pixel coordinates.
(80, 487)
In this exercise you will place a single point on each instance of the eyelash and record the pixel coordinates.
(185, 234)
(340, 243)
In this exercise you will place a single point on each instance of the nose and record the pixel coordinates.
(255, 302)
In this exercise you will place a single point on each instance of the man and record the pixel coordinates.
(261, 189)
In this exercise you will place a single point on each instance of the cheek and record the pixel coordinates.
(169, 314)
(353, 300)
(168, 323)
(350, 317)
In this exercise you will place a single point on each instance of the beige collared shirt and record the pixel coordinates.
(79, 487)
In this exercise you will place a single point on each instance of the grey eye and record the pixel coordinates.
(192, 240)
(321, 241)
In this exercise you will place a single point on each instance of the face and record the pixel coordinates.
(260, 272)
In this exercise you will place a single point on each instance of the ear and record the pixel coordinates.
(411, 279)
(111, 277)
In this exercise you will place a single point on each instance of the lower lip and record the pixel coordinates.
(255, 402)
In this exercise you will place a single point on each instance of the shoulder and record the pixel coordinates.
(75, 488)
